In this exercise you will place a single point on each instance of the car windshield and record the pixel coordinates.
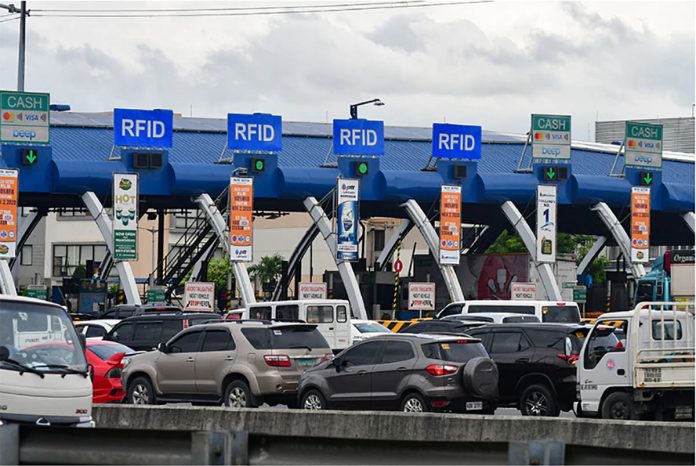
(40, 337)
(105, 350)
(371, 327)
(564, 314)
(455, 351)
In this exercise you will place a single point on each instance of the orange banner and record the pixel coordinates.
(241, 218)
(640, 224)
(8, 213)
(450, 224)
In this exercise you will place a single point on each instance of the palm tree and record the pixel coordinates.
(268, 269)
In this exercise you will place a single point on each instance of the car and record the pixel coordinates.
(122, 311)
(239, 364)
(448, 326)
(536, 364)
(106, 358)
(546, 311)
(145, 332)
(96, 328)
(411, 373)
(362, 329)
(495, 317)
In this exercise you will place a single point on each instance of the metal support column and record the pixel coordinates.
(548, 281)
(690, 220)
(344, 268)
(204, 259)
(160, 245)
(216, 220)
(592, 254)
(24, 229)
(296, 259)
(390, 246)
(420, 220)
(125, 273)
(7, 285)
(622, 240)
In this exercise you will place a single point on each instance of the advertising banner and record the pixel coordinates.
(199, 296)
(312, 291)
(241, 219)
(125, 216)
(523, 291)
(347, 220)
(421, 296)
(9, 190)
(450, 223)
(551, 137)
(546, 223)
(640, 224)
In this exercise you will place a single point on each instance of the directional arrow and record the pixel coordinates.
(647, 179)
(550, 173)
(31, 157)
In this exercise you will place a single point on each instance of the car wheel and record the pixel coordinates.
(618, 405)
(140, 392)
(313, 399)
(238, 395)
(413, 403)
(538, 400)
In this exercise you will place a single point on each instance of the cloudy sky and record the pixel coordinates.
(491, 64)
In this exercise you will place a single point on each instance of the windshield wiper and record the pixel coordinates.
(23, 368)
(301, 346)
(67, 369)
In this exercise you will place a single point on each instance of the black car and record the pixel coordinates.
(449, 326)
(143, 333)
(122, 311)
(536, 363)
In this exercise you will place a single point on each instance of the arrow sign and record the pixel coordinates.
(646, 179)
(31, 158)
(551, 173)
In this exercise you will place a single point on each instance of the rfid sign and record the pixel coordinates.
(456, 141)
(259, 132)
(143, 128)
(358, 137)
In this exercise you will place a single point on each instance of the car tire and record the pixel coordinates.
(414, 403)
(313, 400)
(618, 405)
(140, 392)
(538, 400)
(238, 395)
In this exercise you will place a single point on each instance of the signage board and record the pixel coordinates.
(643, 145)
(9, 192)
(358, 137)
(450, 223)
(421, 296)
(551, 137)
(37, 291)
(143, 128)
(640, 224)
(259, 132)
(523, 291)
(580, 294)
(125, 216)
(241, 219)
(24, 117)
(199, 296)
(347, 219)
(156, 294)
(456, 141)
(312, 291)
(546, 223)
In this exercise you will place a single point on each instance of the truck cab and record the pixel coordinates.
(671, 278)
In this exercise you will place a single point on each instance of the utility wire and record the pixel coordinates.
(10, 19)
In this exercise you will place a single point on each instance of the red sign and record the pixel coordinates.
(398, 266)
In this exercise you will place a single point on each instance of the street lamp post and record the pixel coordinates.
(354, 107)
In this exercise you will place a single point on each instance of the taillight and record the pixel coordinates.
(441, 369)
(277, 360)
(461, 342)
(327, 357)
(113, 373)
(572, 359)
(186, 323)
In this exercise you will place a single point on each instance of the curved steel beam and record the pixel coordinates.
(617, 231)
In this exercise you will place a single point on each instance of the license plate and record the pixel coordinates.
(474, 405)
(653, 375)
(683, 412)
(306, 362)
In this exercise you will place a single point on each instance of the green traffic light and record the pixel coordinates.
(259, 165)
(29, 156)
(362, 168)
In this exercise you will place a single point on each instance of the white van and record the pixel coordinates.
(44, 377)
(546, 311)
(332, 317)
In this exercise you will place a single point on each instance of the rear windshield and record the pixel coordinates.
(560, 314)
(371, 327)
(106, 350)
(161, 309)
(454, 351)
(518, 319)
(501, 308)
(284, 338)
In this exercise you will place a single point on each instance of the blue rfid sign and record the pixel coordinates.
(259, 132)
(358, 137)
(143, 128)
(456, 141)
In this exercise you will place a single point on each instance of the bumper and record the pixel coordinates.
(277, 385)
(456, 398)
(61, 421)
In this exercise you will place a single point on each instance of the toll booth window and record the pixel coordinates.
(260, 313)
(319, 314)
(288, 313)
(665, 330)
(341, 314)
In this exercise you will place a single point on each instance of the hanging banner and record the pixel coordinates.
(640, 224)
(450, 223)
(546, 223)
(9, 191)
(347, 220)
(421, 296)
(199, 296)
(241, 219)
(125, 216)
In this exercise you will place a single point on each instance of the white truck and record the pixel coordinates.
(649, 374)
(44, 376)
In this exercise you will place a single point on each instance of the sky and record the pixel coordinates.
(489, 64)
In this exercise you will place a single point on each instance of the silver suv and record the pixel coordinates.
(240, 364)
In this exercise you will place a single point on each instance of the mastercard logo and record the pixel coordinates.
(631, 143)
(538, 136)
(8, 116)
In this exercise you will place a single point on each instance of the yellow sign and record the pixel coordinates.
(8, 213)
(640, 224)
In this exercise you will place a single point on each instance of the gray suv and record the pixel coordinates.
(412, 373)
(240, 364)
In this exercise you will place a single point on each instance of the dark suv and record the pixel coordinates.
(536, 364)
(122, 311)
(412, 373)
(143, 333)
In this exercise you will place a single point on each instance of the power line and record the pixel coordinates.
(10, 19)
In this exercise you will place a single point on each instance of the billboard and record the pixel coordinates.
(546, 224)
(126, 216)
(450, 223)
(241, 219)
(640, 224)
(347, 219)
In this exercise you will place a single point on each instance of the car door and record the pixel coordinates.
(217, 353)
(176, 373)
(389, 375)
(512, 353)
(323, 316)
(349, 383)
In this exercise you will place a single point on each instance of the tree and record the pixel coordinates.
(268, 269)
(218, 271)
(506, 243)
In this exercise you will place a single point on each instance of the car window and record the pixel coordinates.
(395, 351)
(450, 310)
(547, 338)
(563, 314)
(285, 337)
(186, 343)
(454, 351)
(260, 313)
(124, 313)
(150, 330)
(518, 319)
(106, 350)
(665, 330)
(371, 327)
(508, 342)
(288, 313)
(217, 340)
(95, 331)
(319, 314)
(501, 308)
(341, 314)
(122, 332)
(109, 315)
(360, 355)
(171, 327)
(598, 346)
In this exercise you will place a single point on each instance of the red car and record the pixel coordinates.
(107, 359)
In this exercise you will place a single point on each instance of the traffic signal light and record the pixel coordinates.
(646, 178)
(258, 165)
(555, 173)
(459, 172)
(30, 157)
(360, 168)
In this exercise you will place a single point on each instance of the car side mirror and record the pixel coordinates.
(162, 347)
